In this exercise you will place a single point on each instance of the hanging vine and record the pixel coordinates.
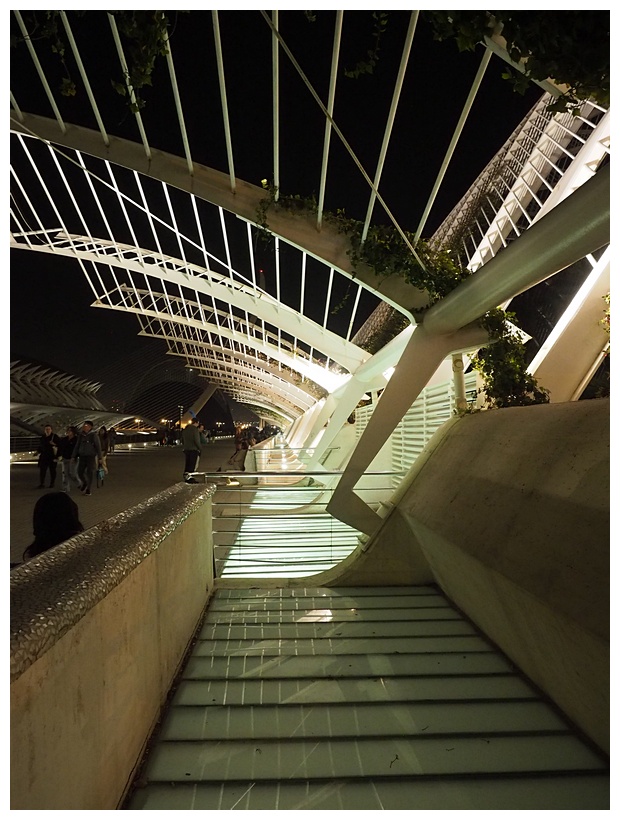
(502, 364)
(145, 35)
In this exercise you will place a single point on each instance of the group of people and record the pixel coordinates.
(194, 438)
(79, 453)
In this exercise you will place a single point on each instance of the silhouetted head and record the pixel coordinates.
(55, 519)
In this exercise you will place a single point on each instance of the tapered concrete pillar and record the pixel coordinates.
(197, 406)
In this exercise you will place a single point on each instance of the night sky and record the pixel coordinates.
(50, 316)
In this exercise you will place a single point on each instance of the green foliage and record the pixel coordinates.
(605, 321)
(385, 251)
(569, 47)
(367, 65)
(48, 29)
(502, 364)
(146, 38)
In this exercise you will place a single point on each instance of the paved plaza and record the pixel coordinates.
(134, 475)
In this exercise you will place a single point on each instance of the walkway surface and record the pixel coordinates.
(358, 698)
(134, 476)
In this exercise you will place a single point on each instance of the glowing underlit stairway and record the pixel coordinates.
(362, 698)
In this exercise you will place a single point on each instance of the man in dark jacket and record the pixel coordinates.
(65, 457)
(87, 451)
(190, 438)
(48, 455)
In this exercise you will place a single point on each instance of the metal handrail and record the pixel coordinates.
(323, 473)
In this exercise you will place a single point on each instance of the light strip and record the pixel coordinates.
(390, 120)
(328, 297)
(174, 223)
(354, 311)
(276, 105)
(455, 138)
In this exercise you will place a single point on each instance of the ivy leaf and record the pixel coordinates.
(67, 87)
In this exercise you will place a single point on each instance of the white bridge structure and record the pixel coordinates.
(454, 653)
(176, 241)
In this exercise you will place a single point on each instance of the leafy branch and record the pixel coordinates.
(367, 65)
(569, 47)
(502, 363)
(48, 30)
(146, 34)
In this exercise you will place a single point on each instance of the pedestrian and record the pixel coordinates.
(111, 439)
(55, 519)
(190, 438)
(65, 454)
(104, 440)
(87, 451)
(48, 455)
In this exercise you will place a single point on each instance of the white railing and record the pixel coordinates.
(433, 407)
(275, 525)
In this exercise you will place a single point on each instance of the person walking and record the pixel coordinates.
(104, 440)
(65, 455)
(204, 440)
(48, 455)
(111, 439)
(190, 439)
(87, 451)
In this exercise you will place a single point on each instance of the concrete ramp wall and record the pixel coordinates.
(508, 511)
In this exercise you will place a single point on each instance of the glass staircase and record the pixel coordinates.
(358, 698)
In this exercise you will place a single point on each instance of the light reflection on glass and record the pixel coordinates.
(316, 615)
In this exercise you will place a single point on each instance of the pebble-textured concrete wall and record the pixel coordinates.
(99, 627)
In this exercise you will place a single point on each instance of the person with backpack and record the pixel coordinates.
(87, 451)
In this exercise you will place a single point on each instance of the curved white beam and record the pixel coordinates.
(577, 226)
(213, 186)
(266, 308)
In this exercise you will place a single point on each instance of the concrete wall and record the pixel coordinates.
(509, 513)
(87, 692)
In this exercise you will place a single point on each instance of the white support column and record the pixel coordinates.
(198, 404)
(458, 371)
(321, 420)
(337, 408)
(421, 358)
